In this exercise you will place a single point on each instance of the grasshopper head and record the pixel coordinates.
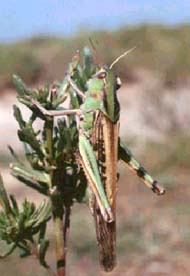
(105, 74)
(101, 93)
(111, 84)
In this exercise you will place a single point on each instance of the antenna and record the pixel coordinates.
(122, 56)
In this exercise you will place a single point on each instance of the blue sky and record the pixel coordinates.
(22, 18)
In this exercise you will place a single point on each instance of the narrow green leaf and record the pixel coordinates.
(44, 214)
(62, 92)
(27, 135)
(20, 86)
(44, 244)
(32, 184)
(42, 231)
(15, 156)
(4, 200)
(31, 174)
(87, 63)
(18, 116)
(14, 204)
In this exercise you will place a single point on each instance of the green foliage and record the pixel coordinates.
(43, 159)
(18, 226)
(50, 167)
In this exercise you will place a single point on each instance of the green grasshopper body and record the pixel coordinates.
(100, 149)
(93, 105)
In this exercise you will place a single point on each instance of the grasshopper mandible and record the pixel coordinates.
(100, 148)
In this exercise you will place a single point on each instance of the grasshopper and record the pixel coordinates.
(99, 150)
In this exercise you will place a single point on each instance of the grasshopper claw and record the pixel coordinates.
(156, 188)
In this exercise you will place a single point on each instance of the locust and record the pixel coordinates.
(99, 150)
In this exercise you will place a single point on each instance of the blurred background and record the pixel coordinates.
(37, 40)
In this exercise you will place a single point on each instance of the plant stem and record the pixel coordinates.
(66, 226)
(58, 208)
(49, 136)
(57, 203)
(60, 247)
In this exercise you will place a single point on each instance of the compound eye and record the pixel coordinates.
(118, 83)
(101, 75)
(81, 118)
